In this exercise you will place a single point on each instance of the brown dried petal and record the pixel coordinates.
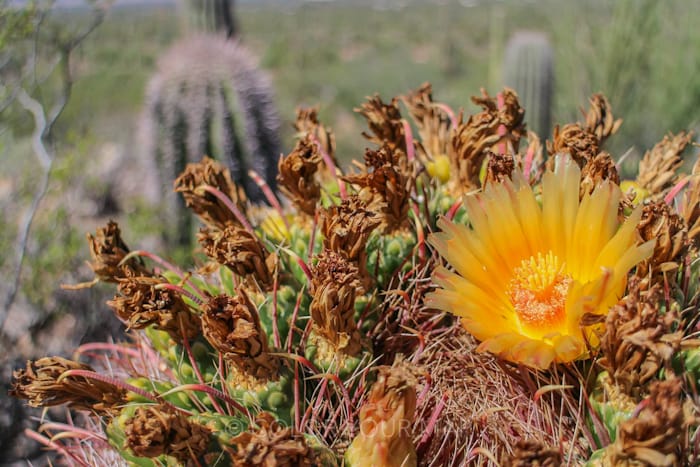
(659, 221)
(307, 124)
(596, 170)
(433, 122)
(508, 112)
(691, 205)
(207, 206)
(599, 118)
(639, 340)
(469, 146)
(271, 445)
(239, 250)
(533, 453)
(581, 144)
(384, 121)
(232, 326)
(655, 436)
(296, 175)
(144, 301)
(154, 431)
(657, 169)
(108, 250)
(39, 384)
(334, 286)
(499, 168)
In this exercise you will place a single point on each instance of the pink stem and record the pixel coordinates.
(527, 167)
(317, 406)
(445, 108)
(66, 428)
(267, 191)
(230, 205)
(165, 264)
(453, 209)
(501, 128)
(331, 167)
(304, 267)
(195, 366)
(213, 392)
(410, 148)
(120, 384)
(675, 190)
(433, 420)
(116, 348)
(275, 314)
(290, 336)
(53, 445)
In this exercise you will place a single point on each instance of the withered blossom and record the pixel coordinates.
(532, 453)
(210, 209)
(656, 436)
(154, 431)
(657, 169)
(434, 124)
(334, 286)
(659, 221)
(232, 326)
(639, 340)
(599, 118)
(307, 123)
(499, 168)
(596, 170)
(346, 227)
(386, 185)
(509, 113)
(239, 250)
(386, 418)
(107, 250)
(468, 149)
(573, 139)
(42, 386)
(296, 177)
(272, 445)
(144, 301)
(384, 121)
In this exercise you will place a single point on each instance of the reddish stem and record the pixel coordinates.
(675, 190)
(408, 132)
(275, 314)
(165, 264)
(290, 336)
(195, 366)
(450, 113)
(271, 198)
(212, 392)
(180, 290)
(433, 420)
(230, 205)
(53, 445)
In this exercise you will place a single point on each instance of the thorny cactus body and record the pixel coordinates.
(454, 300)
(529, 69)
(209, 98)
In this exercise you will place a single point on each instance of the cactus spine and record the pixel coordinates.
(528, 68)
(209, 98)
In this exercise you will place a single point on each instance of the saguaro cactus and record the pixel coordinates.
(528, 68)
(211, 16)
(209, 98)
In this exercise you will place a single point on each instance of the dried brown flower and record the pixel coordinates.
(659, 221)
(384, 121)
(581, 144)
(232, 326)
(596, 170)
(469, 146)
(508, 112)
(334, 286)
(499, 168)
(657, 169)
(434, 124)
(108, 250)
(42, 386)
(599, 118)
(307, 124)
(239, 250)
(210, 209)
(296, 175)
(639, 339)
(387, 186)
(154, 431)
(656, 435)
(346, 228)
(144, 301)
(271, 445)
(533, 453)
(386, 417)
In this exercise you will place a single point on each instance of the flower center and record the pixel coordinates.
(538, 292)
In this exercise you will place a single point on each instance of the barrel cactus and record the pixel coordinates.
(528, 67)
(209, 98)
(509, 310)
(211, 16)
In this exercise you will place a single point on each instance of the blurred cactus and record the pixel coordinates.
(528, 68)
(209, 98)
(211, 16)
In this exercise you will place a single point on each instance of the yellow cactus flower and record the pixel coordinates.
(529, 278)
